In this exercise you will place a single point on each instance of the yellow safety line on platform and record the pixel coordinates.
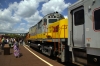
(39, 57)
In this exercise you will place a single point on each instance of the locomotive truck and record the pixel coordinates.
(75, 39)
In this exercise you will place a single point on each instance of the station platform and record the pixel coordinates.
(26, 58)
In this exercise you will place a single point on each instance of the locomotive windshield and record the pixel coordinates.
(52, 20)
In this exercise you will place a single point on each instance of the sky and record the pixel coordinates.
(17, 16)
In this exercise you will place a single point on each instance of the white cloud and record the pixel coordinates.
(5, 27)
(54, 5)
(34, 18)
(20, 28)
(27, 10)
(7, 16)
(22, 24)
(66, 16)
(7, 20)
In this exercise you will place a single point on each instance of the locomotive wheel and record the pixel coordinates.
(30, 46)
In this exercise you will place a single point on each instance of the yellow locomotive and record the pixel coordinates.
(74, 40)
(50, 35)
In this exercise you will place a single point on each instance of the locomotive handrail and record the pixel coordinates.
(65, 27)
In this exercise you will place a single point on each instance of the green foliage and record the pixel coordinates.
(13, 35)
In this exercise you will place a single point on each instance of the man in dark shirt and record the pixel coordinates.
(3, 43)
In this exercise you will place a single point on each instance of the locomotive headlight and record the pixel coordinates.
(38, 44)
(50, 47)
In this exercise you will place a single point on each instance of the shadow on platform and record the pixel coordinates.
(20, 55)
(1, 51)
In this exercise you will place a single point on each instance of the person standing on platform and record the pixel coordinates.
(4, 41)
(16, 48)
(10, 42)
(0, 41)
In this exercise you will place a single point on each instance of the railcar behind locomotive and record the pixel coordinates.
(83, 32)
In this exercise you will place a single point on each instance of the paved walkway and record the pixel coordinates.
(26, 59)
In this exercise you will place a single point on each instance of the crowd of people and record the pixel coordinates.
(13, 43)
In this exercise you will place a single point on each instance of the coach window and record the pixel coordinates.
(79, 17)
(97, 19)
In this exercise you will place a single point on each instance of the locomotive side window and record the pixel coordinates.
(97, 19)
(79, 17)
(39, 24)
(45, 21)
